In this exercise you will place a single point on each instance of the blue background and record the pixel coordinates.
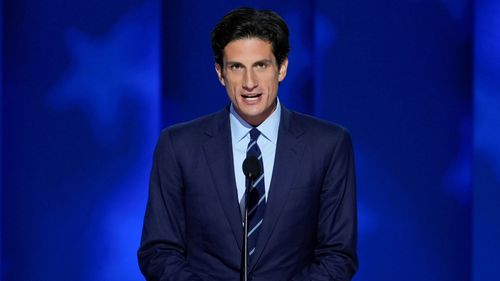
(86, 86)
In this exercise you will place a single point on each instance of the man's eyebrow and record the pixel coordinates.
(264, 61)
(233, 63)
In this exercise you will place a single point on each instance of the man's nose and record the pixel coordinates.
(250, 81)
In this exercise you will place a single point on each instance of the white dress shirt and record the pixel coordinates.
(240, 137)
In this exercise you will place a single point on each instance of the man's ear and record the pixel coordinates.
(282, 70)
(220, 74)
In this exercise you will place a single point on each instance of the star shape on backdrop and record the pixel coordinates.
(104, 72)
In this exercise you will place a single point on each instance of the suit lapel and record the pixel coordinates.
(218, 151)
(288, 153)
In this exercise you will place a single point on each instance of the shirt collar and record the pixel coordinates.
(269, 128)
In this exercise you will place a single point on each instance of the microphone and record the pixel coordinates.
(251, 169)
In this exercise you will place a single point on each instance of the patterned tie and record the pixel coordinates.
(257, 197)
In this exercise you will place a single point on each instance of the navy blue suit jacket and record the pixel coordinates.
(193, 227)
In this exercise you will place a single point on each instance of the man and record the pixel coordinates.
(302, 207)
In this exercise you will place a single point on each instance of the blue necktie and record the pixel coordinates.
(257, 197)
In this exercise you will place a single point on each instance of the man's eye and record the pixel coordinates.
(261, 65)
(235, 67)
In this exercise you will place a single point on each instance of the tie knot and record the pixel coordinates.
(254, 134)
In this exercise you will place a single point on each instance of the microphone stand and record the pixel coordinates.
(251, 169)
(244, 253)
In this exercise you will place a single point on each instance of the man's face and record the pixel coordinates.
(251, 77)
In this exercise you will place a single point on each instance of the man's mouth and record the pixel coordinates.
(251, 96)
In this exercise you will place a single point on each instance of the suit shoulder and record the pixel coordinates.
(323, 135)
(195, 127)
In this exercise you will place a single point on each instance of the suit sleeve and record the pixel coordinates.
(335, 254)
(162, 251)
